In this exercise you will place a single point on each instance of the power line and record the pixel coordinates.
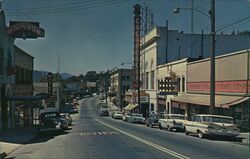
(69, 9)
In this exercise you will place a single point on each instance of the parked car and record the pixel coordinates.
(67, 118)
(125, 116)
(69, 108)
(51, 121)
(103, 111)
(153, 120)
(210, 125)
(136, 118)
(117, 115)
(172, 121)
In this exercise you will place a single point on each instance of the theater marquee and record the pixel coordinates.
(24, 30)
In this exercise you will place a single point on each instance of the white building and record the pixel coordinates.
(160, 46)
(52, 104)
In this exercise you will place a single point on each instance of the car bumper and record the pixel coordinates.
(222, 133)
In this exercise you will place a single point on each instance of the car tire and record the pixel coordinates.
(186, 132)
(201, 135)
(160, 127)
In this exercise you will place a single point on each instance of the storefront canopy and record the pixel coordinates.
(130, 107)
(220, 101)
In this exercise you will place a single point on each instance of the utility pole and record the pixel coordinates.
(166, 41)
(212, 62)
(121, 90)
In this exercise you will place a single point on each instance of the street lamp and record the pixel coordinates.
(211, 17)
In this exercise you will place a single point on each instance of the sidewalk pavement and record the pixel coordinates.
(12, 139)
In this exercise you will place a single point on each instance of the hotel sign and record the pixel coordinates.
(25, 30)
(221, 86)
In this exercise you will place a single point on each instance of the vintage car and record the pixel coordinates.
(211, 125)
(117, 115)
(51, 121)
(153, 120)
(67, 118)
(136, 118)
(172, 121)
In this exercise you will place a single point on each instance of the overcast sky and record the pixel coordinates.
(98, 35)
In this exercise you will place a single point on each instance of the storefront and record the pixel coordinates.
(232, 86)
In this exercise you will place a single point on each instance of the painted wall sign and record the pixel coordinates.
(25, 30)
(221, 86)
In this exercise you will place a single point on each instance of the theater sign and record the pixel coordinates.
(21, 29)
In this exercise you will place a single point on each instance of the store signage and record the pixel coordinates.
(168, 86)
(50, 84)
(25, 30)
(221, 86)
(137, 31)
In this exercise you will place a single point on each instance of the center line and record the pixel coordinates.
(158, 147)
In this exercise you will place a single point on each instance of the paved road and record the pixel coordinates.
(94, 137)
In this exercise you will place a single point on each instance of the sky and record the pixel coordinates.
(97, 35)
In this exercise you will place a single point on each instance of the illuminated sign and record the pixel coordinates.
(220, 86)
(25, 30)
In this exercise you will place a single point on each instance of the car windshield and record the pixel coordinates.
(217, 119)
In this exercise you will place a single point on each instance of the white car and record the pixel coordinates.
(172, 121)
(136, 118)
(117, 115)
(209, 125)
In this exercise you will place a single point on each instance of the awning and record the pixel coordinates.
(25, 98)
(220, 100)
(130, 107)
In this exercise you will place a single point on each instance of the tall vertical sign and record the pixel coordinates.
(137, 31)
(50, 84)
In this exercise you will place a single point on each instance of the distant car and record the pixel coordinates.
(211, 125)
(69, 108)
(67, 118)
(172, 121)
(51, 121)
(153, 120)
(117, 115)
(136, 118)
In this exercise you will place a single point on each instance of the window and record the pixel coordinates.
(179, 84)
(152, 107)
(147, 80)
(152, 79)
(183, 84)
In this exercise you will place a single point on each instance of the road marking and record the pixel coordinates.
(97, 133)
(163, 149)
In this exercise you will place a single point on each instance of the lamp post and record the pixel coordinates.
(211, 17)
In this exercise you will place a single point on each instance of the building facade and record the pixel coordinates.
(161, 46)
(7, 79)
(23, 110)
(232, 86)
(121, 81)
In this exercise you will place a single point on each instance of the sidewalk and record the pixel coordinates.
(12, 139)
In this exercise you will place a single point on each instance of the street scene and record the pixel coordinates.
(137, 79)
